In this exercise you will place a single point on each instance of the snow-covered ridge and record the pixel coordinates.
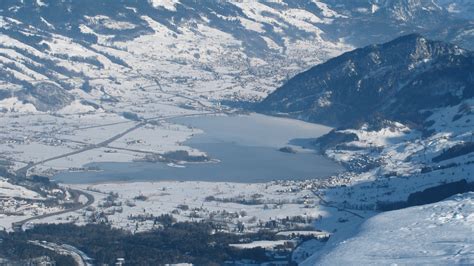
(167, 4)
(389, 79)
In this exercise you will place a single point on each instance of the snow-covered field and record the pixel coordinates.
(436, 234)
(132, 86)
(18, 203)
(136, 204)
(38, 137)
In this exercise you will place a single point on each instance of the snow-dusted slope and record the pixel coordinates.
(10, 190)
(215, 50)
(89, 81)
(25, 199)
(388, 164)
(405, 109)
(212, 49)
(435, 234)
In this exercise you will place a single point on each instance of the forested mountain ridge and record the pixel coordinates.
(398, 80)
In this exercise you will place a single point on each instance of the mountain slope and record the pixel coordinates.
(396, 80)
(405, 110)
(237, 50)
(92, 49)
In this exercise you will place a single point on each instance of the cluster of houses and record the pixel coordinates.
(279, 252)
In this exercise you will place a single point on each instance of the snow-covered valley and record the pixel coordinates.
(89, 97)
(104, 88)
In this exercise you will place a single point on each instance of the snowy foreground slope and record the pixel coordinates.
(436, 234)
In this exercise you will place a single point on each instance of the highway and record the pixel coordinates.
(79, 257)
(90, 200)
(24, 170)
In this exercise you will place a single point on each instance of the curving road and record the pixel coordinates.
(90, 200)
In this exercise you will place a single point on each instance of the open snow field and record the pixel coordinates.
(134, 205)
(436, 234)
(18, 203)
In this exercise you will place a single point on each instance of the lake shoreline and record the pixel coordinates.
(246, 154)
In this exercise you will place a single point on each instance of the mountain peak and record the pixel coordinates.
(396, 80)
(411, 37)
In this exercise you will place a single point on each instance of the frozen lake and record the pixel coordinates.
(247, 147)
